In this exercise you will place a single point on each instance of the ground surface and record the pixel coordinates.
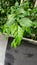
(26, 54)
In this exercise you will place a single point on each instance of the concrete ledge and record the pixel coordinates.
(3, 45)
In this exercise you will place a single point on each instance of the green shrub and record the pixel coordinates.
(18, 21)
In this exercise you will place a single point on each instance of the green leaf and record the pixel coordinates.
(13, 43)
(16, 4)
(13, 28)
(35, 23)
(6, 29)
(11, 19)
(20, 11)
(25, 22)
(19, 35)
(12, 10)
(28, 30)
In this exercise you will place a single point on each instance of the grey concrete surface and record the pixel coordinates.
(25, 54)
(3, 45)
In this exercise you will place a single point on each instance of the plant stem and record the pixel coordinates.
(21, 2)
(35, 4)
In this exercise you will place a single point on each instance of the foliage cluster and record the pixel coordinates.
(18, 20)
